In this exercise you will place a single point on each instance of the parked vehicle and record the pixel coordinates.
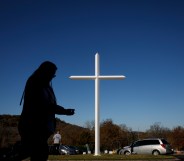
(76, 149)
(155, 146)
(63, 150)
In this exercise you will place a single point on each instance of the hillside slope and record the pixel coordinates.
(9, 132)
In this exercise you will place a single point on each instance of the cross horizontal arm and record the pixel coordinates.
(112, 77)
(83, 77)
(99, 77)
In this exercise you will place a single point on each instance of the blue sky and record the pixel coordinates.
(141, 39)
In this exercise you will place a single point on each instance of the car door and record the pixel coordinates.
(136, 147)
(146, 147)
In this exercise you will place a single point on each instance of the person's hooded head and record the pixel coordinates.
(45, 72)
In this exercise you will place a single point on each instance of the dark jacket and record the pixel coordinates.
(40, 107)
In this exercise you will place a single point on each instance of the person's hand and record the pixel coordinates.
(70, 111)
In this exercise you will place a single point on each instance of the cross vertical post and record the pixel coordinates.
(97, 98)
(97, 78)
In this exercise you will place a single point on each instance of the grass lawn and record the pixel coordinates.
(111, 157)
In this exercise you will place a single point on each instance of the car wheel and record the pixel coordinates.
(120, 152)
(127, 153)
(61, 152)
(156, 152)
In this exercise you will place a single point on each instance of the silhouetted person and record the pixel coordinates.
(37, 120)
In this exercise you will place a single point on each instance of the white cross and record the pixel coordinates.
(97, 78)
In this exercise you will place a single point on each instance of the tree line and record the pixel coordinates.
(112, 136)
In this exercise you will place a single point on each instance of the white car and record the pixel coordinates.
(155, 146)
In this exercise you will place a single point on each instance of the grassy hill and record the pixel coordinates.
(9, 132)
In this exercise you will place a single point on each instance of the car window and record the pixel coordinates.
(154, 142)
(137, 143)
(145, 142)
(148, 142)
(164, 141)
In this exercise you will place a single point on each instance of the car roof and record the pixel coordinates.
(150, 139)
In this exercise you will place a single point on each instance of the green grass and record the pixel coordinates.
(110, 157)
